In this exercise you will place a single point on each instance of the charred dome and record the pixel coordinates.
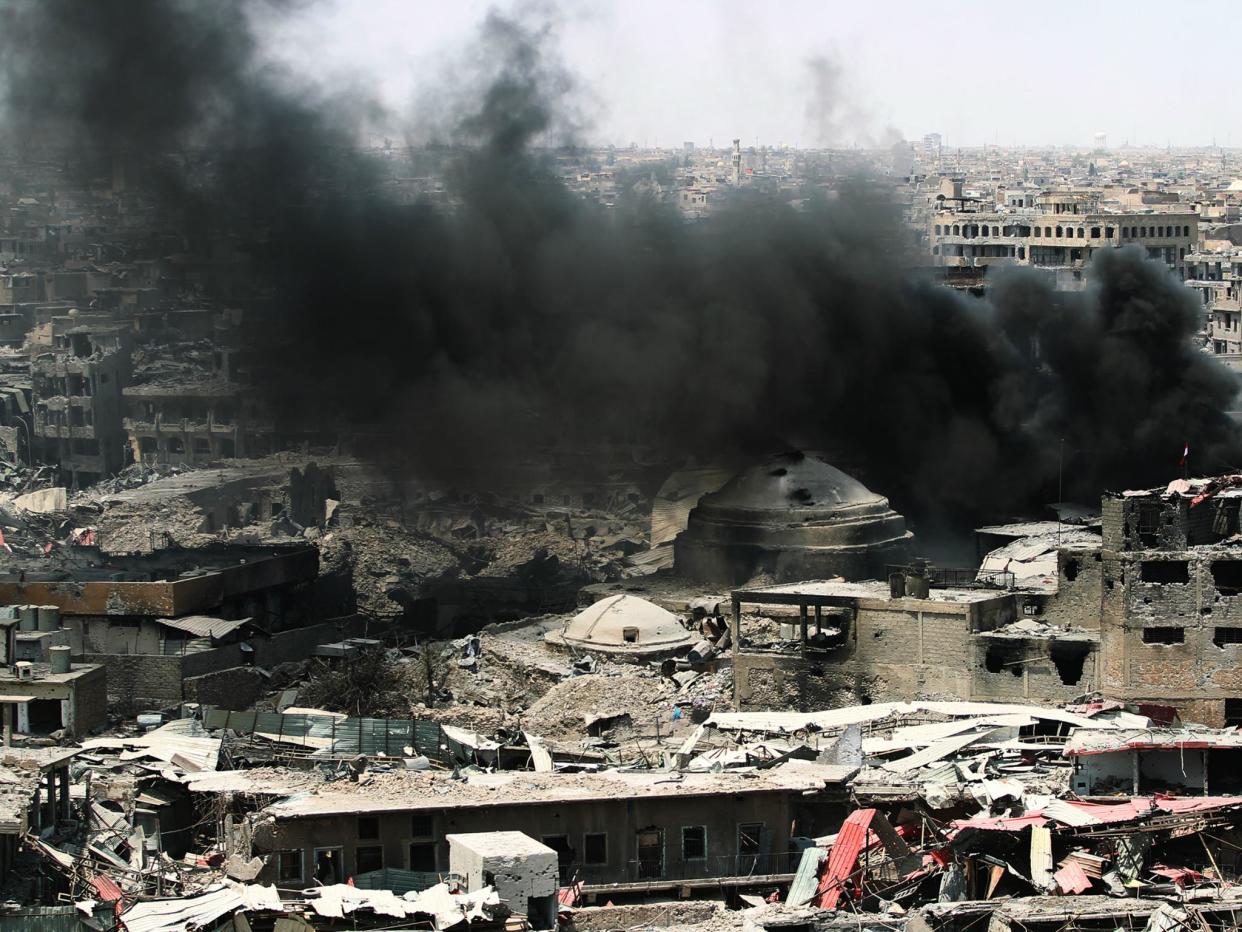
(792, 516)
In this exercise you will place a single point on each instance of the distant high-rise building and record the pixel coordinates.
(688, 146)
(1101, 140)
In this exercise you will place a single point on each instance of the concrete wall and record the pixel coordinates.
(895, 652)
(1196, 674)
(154, 681)
(236, 688)
(517, 867)
(140, 681)
(1077, 601)
(90, 701)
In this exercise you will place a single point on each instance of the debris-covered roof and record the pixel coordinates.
(1087, 741)
(401, 791)
(784, 722)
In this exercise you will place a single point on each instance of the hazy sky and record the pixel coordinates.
(658, 72)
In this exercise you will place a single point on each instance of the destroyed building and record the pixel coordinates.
(141, 618)
(194, 422)
(1169, 585)
(611, 827)
(77, 383)
(792, 516)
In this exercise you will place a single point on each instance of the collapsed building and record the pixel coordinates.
(1142, 611)
(77, 384)
(168, 626)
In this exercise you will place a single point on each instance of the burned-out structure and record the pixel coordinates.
(792, 516)
(1170, 583)
(77, 384)
(195, 422)
(822, 644)
(142, 618)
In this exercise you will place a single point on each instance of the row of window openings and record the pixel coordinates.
(175, 412)
(1063, 232)
(78, 386)
(150, 446)
(1221, 637)
(422, 853)
(74, 416)
(1226, 574)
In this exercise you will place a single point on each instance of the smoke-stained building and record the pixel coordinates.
(791, 516)
(1061, 231)
(77, 383)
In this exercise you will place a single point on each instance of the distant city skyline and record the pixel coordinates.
(808, 74)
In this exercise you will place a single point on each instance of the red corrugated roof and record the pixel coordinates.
(843, 857)
(106, 888)
(1001, 823)
(1072, 879)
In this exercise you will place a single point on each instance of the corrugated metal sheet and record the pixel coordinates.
(53, 919)
(399, 881)
(203, 626)
(806, 880)
(843, 856)
(1072, 879)
(339, 737)
(176, 915)
(106, 888)
(1041, 856)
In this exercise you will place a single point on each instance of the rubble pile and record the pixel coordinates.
(624, 698)
(136, 475)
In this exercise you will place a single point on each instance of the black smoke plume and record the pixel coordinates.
(466, 334)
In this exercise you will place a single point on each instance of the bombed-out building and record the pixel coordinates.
(1169, 581)
(194, 422)
(1148, 611)
(77, 383)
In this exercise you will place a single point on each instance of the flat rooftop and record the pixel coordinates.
(1028, 528)
(499, 844)
(89, 564)
(43, 674)
(868, 589)
(403, 791)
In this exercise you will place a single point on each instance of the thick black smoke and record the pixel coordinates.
(477, 332)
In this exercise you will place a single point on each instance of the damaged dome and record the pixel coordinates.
(791, 516)
(624, 624)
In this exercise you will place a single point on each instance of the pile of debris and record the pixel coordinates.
(136, 475)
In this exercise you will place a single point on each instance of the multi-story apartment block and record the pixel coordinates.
(1061, 231)
(195, 422)
(77, 382)
(1217, 276)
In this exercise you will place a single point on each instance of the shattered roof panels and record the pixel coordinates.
(784, 722)
(868, 589)
(183, 743)
(1078, 814)
(1088, 741)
